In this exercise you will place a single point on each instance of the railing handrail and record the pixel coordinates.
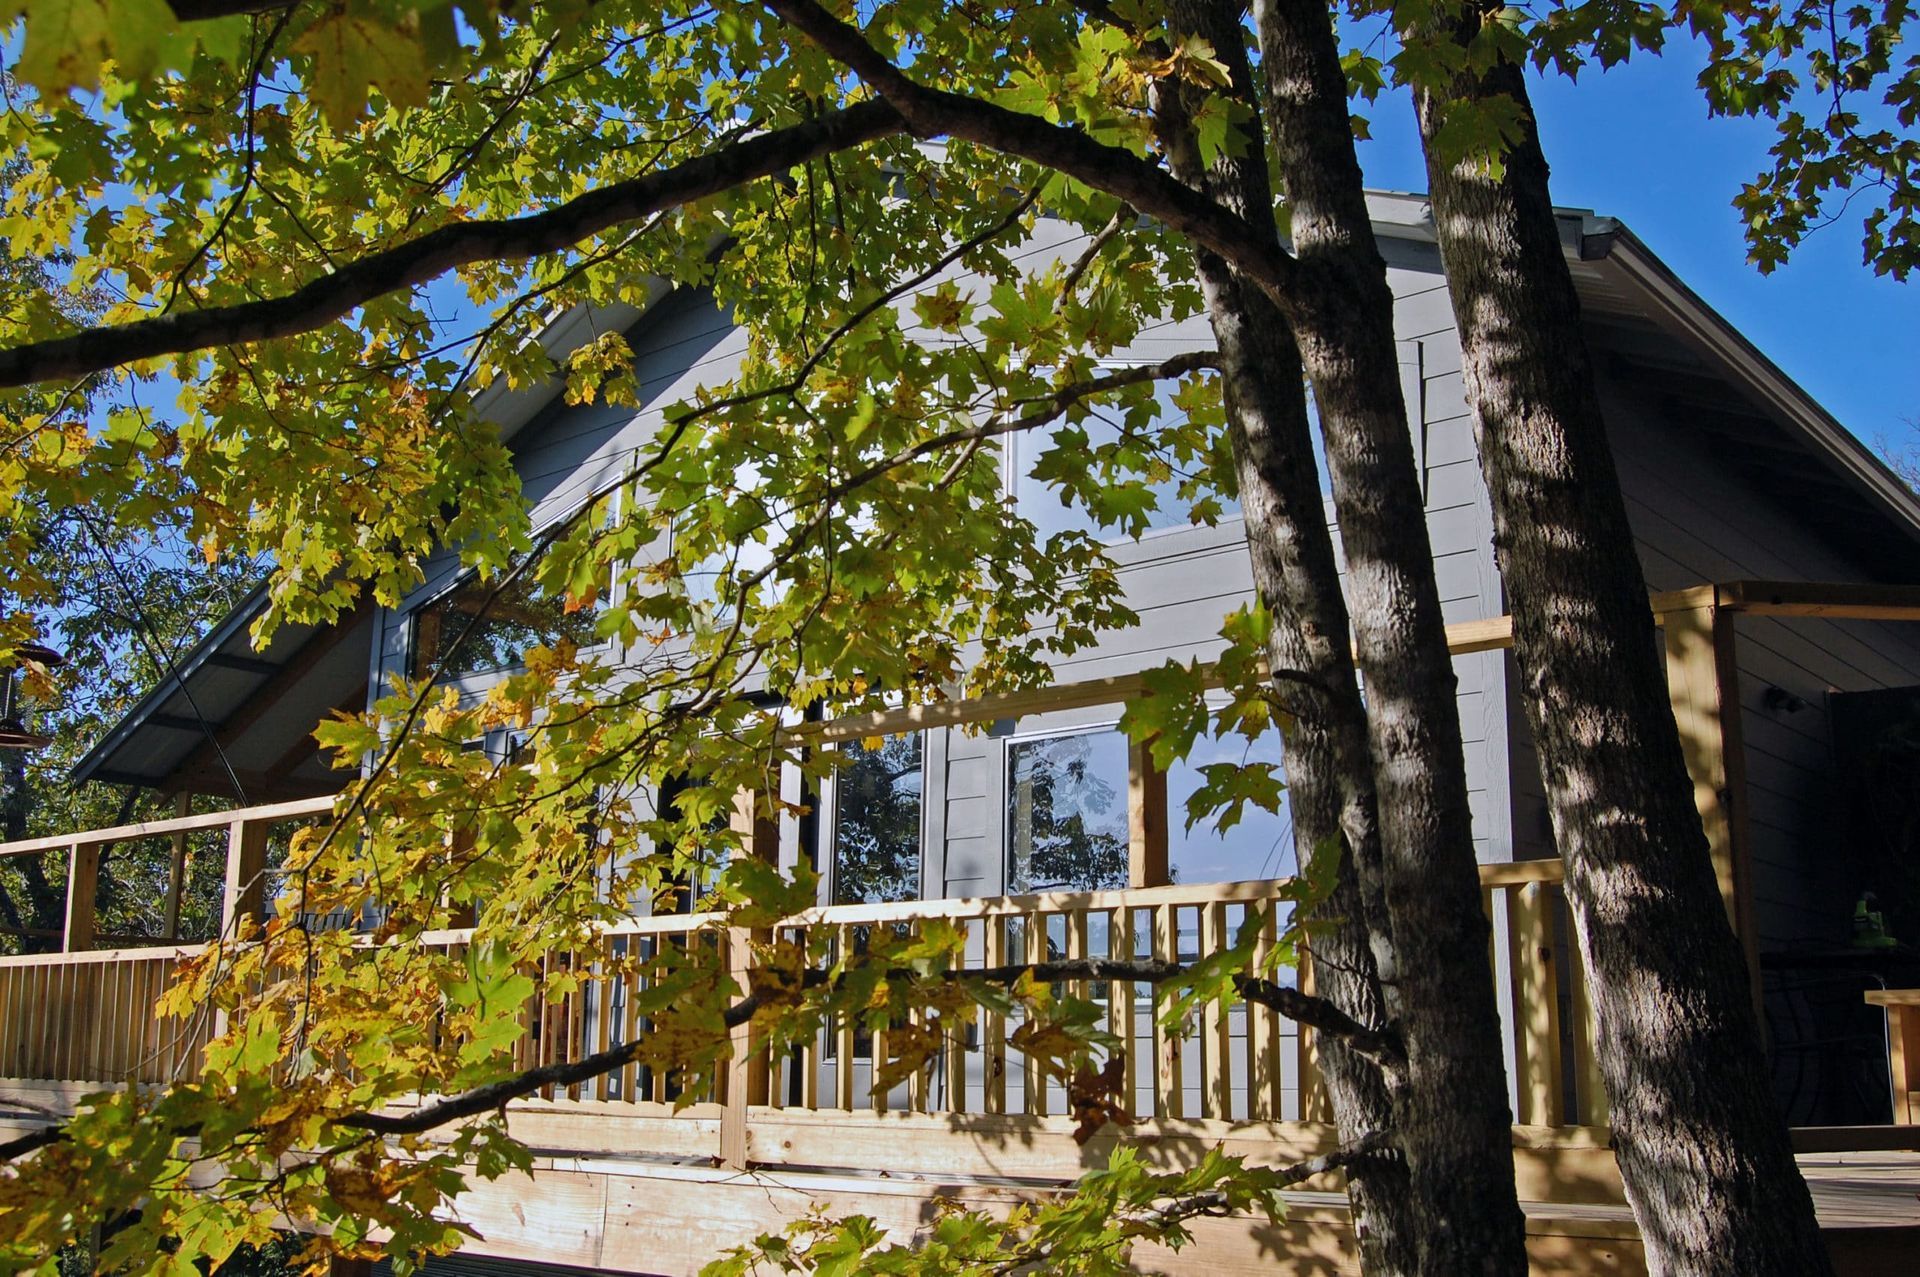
(159, 949)
(173, 825)
(1514, 874)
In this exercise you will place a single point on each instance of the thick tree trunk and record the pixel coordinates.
(1328, 762)
(1703, 1150)
(1454, 1122)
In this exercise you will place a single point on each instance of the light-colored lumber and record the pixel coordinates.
(83, 884)
(1146, 819)
(1536, 1010)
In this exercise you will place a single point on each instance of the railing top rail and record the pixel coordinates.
(1198, 893)
(1518, 873)
(1515, 874)
(172, 825)
(159, 950)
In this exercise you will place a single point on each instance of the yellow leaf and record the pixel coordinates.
(351, 52)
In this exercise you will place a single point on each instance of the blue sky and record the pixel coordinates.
(1636, 144)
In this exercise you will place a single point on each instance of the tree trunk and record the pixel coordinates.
(1705, 1155)
(43, 904)
(1454, 1121)
(1328, 764)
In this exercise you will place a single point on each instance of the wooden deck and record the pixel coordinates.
(626, 1181)
(612, 1189)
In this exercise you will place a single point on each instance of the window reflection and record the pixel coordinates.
(1258, 846)
(876, 828)
(683, 892)
(1067, 813)
(479, 627)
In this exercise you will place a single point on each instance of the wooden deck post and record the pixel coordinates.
(748, 1073)
(246, 886)
(177, 868)
(1703, 683)
(1902, 1007)
(1146, 819)
(83, 882)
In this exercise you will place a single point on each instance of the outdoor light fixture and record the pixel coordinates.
(14, 733)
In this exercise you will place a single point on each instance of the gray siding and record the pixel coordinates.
(1695, 521)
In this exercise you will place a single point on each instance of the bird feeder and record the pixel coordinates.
(16, 729)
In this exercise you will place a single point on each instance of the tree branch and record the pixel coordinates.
(1382, 1046)
(1052, 406)
(418, 260)
(931, 112)
(1369, 1147)
(200, 10)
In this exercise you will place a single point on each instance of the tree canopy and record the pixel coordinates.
(283, 260)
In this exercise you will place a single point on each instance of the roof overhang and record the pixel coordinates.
(1680, 310)
(236, 722)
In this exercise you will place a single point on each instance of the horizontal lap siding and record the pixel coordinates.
(1182, 583)
(568, 452)
(1697, 520)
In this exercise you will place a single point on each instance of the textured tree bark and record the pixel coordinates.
(1328, 761)
(1453, 1118)
(1702, 1147)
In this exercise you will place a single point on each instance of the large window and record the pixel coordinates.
(479, 627)
(1041, 502)
(876, 822)
(1067, 813)
(1259, 845)
(1067, 821)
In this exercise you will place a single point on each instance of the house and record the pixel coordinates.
(1785, 564)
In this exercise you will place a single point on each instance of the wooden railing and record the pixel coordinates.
(86, 1016)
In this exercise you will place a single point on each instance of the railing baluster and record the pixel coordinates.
(603, 1012)
(810, 1051)
(1077, 936)
(1120, 996)
(1036, 1077)
(844, 1027)
(1590, 1086)
(954, 1048)
(993, 1029)
(1263, 1030)
(1169, 1100)
(1315, 1104)
(9, 1022)
(1219, 1024)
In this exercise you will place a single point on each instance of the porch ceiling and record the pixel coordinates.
(237, 723)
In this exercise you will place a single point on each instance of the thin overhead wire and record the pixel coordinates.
(149, 636)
